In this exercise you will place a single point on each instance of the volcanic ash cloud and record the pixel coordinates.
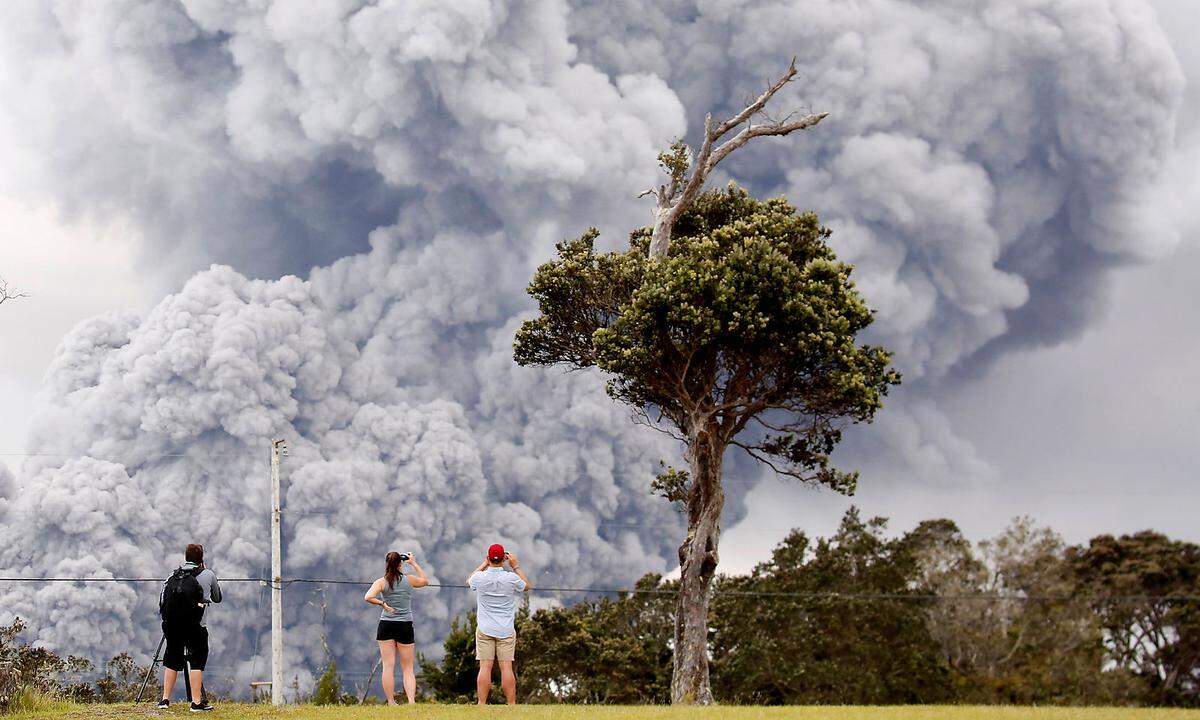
(986, 166)
(167, 422)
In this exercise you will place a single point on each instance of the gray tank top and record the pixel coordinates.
(400, 598)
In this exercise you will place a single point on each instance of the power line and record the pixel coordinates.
(663, 591)
(116, 579)
(51, 453)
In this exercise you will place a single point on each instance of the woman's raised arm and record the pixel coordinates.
(419, 580)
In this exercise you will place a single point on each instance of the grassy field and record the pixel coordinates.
(576, 712)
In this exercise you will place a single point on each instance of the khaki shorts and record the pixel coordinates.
(490, 648)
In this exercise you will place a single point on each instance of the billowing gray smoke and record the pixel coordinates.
(399, 440)
(985, 165)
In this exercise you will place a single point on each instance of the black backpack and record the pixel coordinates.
(182, 597)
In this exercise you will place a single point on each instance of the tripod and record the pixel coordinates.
(150, 670)
(187, 675)
(187, 682)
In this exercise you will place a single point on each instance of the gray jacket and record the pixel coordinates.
(208, 583)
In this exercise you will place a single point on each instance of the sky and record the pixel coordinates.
(69, 272)
(237, 222)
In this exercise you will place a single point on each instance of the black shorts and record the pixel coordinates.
(399, 630)
(185, 643)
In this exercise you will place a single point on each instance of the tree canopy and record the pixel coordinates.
(1146, 589)
(750, 319)
(839, 621)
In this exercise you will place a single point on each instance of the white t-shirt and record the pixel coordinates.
(496, 591)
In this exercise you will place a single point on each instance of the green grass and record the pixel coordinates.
(577, 712)
(27, 703)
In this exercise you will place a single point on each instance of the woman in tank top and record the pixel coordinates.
(393, 593)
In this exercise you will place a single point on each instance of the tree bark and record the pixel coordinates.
(664, 225)
(698, 564)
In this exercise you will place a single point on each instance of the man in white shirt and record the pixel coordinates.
(496, 592)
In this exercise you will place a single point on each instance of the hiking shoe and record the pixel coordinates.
(201, 706)
(164, 704)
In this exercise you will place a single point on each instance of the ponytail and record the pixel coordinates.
(392, 574)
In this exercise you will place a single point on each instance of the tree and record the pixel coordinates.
(744, 335)
(7, 293)
(836, 621)
(1146, 589)
(682, 188)
(1007, 619)
(629, 637)
(453, 680)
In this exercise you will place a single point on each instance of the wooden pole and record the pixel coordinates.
(277, 447)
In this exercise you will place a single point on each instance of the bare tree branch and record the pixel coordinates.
(760, 102)
(639, 416)
(752, 450)
(8, 294)
(753, 131)
(673, 199)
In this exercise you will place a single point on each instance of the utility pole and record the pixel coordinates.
(278, 448)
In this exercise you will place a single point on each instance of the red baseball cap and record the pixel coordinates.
(496, 552)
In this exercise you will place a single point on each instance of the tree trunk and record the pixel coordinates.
(664, 225)
(698, 564)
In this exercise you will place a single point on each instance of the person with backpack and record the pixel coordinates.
(185, 595)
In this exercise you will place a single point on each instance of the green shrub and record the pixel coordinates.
(329, 687)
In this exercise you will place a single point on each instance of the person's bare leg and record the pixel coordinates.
(406, 653)
(483, 684)
(197, 678)
(508, 681)
(169, 678)
(387, 657)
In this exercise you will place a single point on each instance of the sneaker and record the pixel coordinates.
(164, 704)
(201, 706)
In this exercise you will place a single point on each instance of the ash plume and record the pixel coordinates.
(986, 166)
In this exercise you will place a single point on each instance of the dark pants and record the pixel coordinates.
(186, 642)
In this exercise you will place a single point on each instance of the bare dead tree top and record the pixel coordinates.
(675, 196)
(7, 293)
